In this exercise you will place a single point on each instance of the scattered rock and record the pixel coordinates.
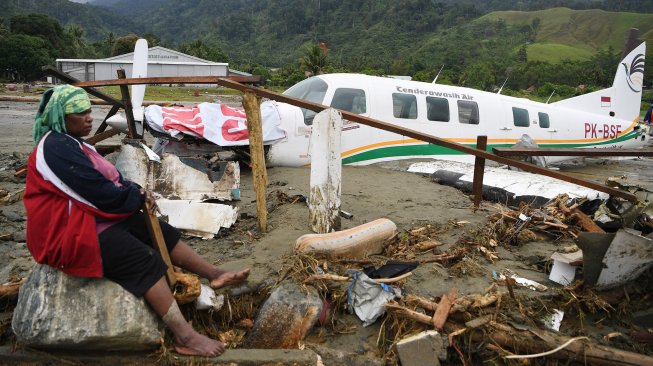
(20, 236)
(426, 348)
(332, 356)
(59, 311)
(286, 317)
(12, 215)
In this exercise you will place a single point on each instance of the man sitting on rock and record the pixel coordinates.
(84, 218)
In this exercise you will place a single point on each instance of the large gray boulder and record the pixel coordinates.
(56, 310)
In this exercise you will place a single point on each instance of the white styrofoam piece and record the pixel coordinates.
(200, 218)
(562, 273)
(552, 321)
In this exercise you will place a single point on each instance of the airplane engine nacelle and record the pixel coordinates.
(292, 151)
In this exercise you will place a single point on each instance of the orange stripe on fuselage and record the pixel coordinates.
(473, 141)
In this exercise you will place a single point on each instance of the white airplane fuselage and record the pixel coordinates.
(606, 118)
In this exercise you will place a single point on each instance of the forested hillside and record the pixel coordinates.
(481, 44)
(96, 21)
(575, 34)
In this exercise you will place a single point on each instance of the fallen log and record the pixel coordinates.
(446, 256)
(524, 341)
(10, 290)
(426, 245)
(332, 277)
(421, 302)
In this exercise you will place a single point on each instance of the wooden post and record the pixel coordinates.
(157, 238)
(129, 113)
(326, 171)
(479, 169)
(252, 105)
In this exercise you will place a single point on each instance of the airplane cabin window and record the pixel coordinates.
(544, 120)
(468, 112)
(404, 106)
(520, 117)
(350, 100)
(313, 90)
(437, 109)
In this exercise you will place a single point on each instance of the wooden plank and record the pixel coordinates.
(94, 101)
(129, 113)
(104, 125)
(156, 235)
(102, 136)
(373, 123)
(479, 170)
(52, 71)
(252, 105)
(171, 80)
(538, 151)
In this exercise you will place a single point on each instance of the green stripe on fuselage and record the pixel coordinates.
(425, 149)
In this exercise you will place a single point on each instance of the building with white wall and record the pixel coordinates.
(162, 62)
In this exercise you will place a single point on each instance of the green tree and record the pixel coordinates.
(479, 76)
(199, 48)
(75, 34)
(152, 39)
(4, 29)
(313, 60)
(46, 28)
(124, 45)
(23, 56)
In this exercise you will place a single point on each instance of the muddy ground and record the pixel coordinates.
(411, 201)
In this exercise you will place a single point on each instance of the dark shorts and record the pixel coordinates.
(128, 256)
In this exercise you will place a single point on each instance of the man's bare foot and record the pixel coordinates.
(199, 345)
(227, 278)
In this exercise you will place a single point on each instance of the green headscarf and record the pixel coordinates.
(55, 104)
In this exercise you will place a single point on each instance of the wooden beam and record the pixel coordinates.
(372, 123)
(252, 105)
(102, 136)
(103, 126)
(129, 113)
(171, 80)
(539, 151)
(52, 71)
(94, 101)
(152, 223)
(479, 170)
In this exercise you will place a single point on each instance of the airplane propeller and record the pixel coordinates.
(139, 70)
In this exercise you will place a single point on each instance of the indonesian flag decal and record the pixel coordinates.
(606, 101)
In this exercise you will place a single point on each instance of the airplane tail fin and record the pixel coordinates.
(624, 98)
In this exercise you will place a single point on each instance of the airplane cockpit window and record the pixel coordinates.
(468, 112)
(520, 117)
(350, 100)
(404, 106)
(313, 90)
(544, 120)
(437, 109)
